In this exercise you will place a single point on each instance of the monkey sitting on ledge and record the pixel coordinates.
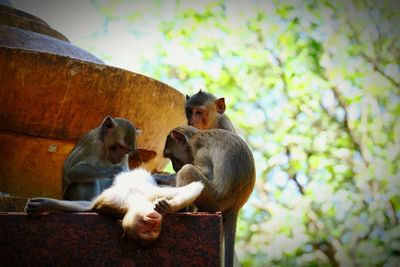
(134, 197)
(97, 157)
(224, 163)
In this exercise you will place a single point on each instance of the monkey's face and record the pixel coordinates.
(117, 152)
(178, 153)
(177, 147)
(198, 117)
(145, 226)
(119, 138)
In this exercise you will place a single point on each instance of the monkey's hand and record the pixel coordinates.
(164, 178)
(163, 206)
(39, 205)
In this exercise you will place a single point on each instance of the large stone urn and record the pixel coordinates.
(52, 92)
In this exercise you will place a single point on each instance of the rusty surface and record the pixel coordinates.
(19, 19)
(187, 239)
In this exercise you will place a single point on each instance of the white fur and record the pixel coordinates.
(137, 178)
(137, 189)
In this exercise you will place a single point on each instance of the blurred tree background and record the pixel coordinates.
(314, 88)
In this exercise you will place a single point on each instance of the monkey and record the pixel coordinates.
(204, 111)
(224, 163)
(133, 197)
(97, 157)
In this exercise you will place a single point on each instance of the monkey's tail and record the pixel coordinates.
(230, 219)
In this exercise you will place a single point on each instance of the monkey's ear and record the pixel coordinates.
(146, 155)
(220, 103)
(139, 156)
(108, 123)
(179, 137)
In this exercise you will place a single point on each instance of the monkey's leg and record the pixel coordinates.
(209, 197)
(165, 179)
(40, 204)
(177, 198)
(187, 176)
(209, 200)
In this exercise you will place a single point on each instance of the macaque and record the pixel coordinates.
(133, 197)
(223, 162)
(96, 158)
(204, 111)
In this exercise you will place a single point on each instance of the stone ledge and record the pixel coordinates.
(91, 239)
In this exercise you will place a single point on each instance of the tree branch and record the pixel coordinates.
(375, 65)
(346, 123)
(329, 251)
(294, 175)
(378, 69)
(393, 212)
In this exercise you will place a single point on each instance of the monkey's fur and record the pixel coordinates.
(133, 197)
(204, 111)
(223, 162)
(96, 158)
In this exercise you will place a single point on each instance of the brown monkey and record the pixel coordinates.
(223, 162)
(96, 158)
(132, 198)
(204, 111)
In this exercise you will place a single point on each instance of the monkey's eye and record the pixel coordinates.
(198, 112)
(113, 147)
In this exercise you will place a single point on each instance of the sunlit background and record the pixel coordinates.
(313, 87)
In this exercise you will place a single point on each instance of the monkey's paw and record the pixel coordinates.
(162, 206)
(37, 206)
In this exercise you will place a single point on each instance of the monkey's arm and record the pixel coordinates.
(41, 204)
(177, 198)
(84, 172)
(212, 197)
(189, 188)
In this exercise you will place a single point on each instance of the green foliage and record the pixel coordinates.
(313, 87)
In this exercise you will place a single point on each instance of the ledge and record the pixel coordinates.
(91, 239)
